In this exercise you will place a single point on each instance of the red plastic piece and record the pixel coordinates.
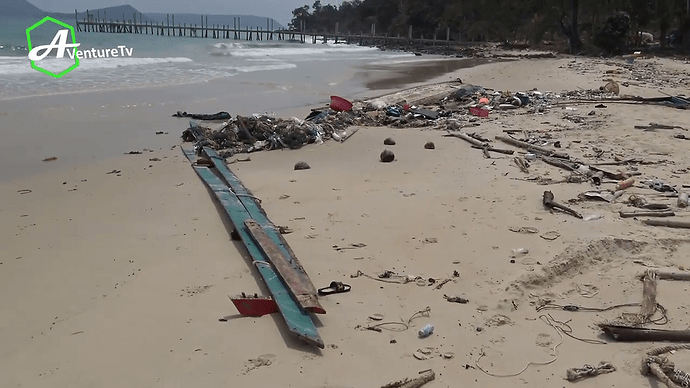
(479, 112)
(340, 104)
(254, 306)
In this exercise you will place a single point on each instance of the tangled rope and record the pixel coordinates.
(406, 325)
(663, 368)
(576, 374)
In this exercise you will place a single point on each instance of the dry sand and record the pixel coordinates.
(121, 282)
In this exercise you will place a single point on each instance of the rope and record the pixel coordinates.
(570, 307)
(424, 312)
(576, 374)
(664, 369)
(681, 378)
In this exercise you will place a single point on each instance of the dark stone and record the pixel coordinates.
(430, 145)
(302, 166)
(387, 156)
(389, 141)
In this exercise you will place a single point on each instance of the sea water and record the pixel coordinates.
(166, 60)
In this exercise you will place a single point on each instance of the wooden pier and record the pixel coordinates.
(94, 23)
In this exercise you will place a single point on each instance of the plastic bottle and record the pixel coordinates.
(518, 252)
(625, 184)
(683, 200)
(426, 331)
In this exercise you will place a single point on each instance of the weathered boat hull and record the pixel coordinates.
(297, 319)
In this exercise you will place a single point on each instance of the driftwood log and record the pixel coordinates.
(533, 148)
(669, 223)
(662, 275)
(624, 333)
(642, 213)
(548, 201)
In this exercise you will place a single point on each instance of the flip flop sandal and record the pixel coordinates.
(335, 288)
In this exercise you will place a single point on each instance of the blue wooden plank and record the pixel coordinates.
(257, 213)
(298, 320)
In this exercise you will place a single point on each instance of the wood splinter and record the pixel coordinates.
(549, 202)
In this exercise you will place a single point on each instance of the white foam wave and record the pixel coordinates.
(298, 50)
(22, 65)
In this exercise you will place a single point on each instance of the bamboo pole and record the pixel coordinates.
(534, 148)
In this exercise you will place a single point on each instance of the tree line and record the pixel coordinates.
(605, 23)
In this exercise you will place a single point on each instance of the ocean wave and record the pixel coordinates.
(283, 50)
(21, 65)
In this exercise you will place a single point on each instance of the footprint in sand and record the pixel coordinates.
(255, 363)
(544, 340)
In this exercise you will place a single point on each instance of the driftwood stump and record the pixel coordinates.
(548, 201)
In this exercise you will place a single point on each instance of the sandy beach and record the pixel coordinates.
(119, 279)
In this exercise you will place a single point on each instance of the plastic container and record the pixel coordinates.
(479, 112)
(340, 104)
(531, 157)
(519, 252)
(625, 184)
(426, 331)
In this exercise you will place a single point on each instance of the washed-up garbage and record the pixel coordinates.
(660, 186)
(394, 111)
(202, 116)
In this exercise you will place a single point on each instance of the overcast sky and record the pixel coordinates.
(280, 10)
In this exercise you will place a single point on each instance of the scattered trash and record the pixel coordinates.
(201, 116)
(50, 159)
(24, 191)
(335, 288)
(479, 112)
(113, 172)
(552, 235)
(387, 156)
(523, 229)
(518, 252)
(376, 317)
(683, 200)
(660, 186)
(429, 145)
(351, 246)
(133, 153)
(426, 331)
(456, 299)
(388, 141)
(592, 217)
(302, 166)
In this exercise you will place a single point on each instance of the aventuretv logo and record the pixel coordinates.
(59, 43)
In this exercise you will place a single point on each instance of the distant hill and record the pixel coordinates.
(22, 8)
(19, 8)
(191, 19)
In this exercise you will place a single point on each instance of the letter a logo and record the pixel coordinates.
(59, 42)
